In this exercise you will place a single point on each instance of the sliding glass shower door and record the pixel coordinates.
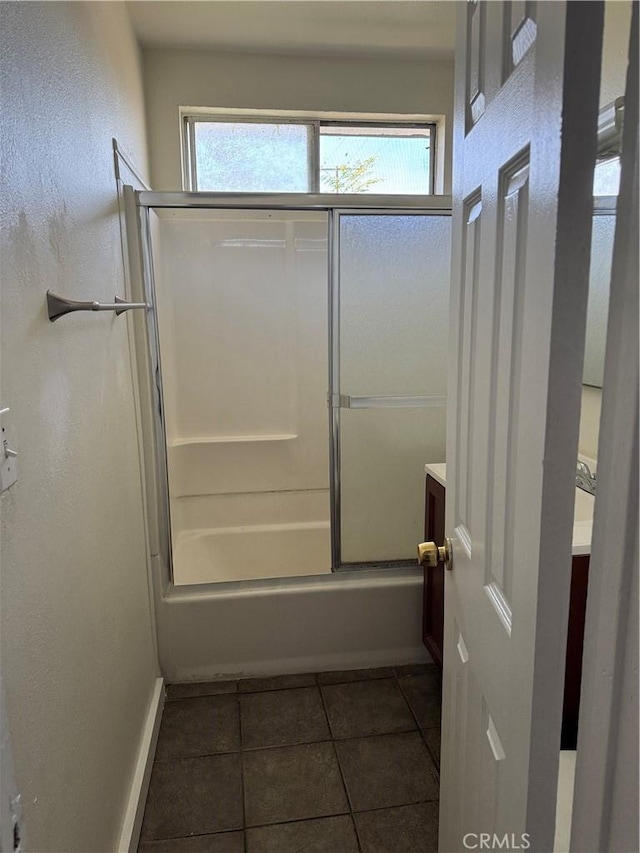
(247, 482)
(390, 320)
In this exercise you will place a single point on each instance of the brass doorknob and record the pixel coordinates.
(430, 554)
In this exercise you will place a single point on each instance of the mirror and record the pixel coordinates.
(604, 221)
(606, 182)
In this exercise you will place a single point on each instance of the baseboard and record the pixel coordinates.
(134, 813)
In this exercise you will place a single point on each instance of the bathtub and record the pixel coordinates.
(250, 552)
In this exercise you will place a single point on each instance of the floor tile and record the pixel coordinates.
(281, 717)
(292, 783)
(406, 829)
(199, 726)
(354, 675)
(432, 737)
(193, 796)
(424, 695)
(367, 708)
(222, 842)
(323, 835)
(276, 682)
(200, 688)
(390, 770)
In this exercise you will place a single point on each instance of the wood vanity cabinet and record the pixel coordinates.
(433, 612)
(575, 640)
(433, 589)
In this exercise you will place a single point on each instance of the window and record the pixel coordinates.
(229, 154)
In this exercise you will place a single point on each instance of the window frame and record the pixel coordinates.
(189, 118)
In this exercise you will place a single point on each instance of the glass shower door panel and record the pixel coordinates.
(243, 327)
(393, 324)
(384, 452)
(394, 304)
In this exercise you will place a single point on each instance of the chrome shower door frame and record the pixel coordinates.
(336, 206)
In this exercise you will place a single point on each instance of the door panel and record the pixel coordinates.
(523, 154)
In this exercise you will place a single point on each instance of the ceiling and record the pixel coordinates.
(399, 28)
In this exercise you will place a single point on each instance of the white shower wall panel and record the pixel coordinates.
(195, 512)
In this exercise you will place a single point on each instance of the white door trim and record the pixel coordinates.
(605, 810)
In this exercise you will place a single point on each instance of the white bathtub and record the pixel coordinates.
(251, 552)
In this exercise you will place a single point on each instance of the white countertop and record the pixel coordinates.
(583, 516)
(437, 470)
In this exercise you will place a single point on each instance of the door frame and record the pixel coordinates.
(606, 782)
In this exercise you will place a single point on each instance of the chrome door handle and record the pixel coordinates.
(430, 554)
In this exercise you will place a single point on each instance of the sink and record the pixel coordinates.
(582, 522)
(583, 508)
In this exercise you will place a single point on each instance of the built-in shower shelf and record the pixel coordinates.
(232, 439)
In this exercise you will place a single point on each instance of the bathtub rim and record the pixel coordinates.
(345, 578)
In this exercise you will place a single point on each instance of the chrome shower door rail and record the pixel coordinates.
(297, 201)
(387, 401)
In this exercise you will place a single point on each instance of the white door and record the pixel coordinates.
(524, 148)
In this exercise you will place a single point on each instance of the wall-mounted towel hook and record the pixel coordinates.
(58, 306)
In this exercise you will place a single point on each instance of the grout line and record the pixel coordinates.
(335, 752)
(436, 764)
(413, 714)
(276, 689)
(349, 813)
(199, 696)
(246, 749)
(300, 820)
(326, 713)
(434, 758)
(152, 841)
(401, 806)
(355, 832)
(342, 777)
(394, 672)
(242, 789)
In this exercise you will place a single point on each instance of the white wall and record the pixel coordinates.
(175, 78)
(78, 657)
(615, 49)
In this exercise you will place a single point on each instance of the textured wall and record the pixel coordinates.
(615, 49)
(175, 78)
(77, 653)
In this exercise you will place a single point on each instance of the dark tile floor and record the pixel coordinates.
(333, 762)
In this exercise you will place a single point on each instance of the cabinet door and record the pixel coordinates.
(433, 605)
(575, 640)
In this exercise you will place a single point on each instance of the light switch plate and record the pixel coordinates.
(8, 461)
